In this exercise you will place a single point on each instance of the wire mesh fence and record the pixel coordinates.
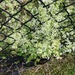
(18, 19)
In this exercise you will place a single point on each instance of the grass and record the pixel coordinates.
(64, 66)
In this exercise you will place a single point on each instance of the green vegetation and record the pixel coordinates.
(42, 36)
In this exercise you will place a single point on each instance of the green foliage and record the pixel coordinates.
(47, 38)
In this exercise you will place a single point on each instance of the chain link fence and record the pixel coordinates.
(17, 17)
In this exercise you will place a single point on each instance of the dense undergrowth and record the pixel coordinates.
(43, 36)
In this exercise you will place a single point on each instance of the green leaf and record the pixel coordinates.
(13, 52)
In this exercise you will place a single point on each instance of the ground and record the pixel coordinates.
(64, 66)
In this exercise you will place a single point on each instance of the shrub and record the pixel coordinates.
(40, 31)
